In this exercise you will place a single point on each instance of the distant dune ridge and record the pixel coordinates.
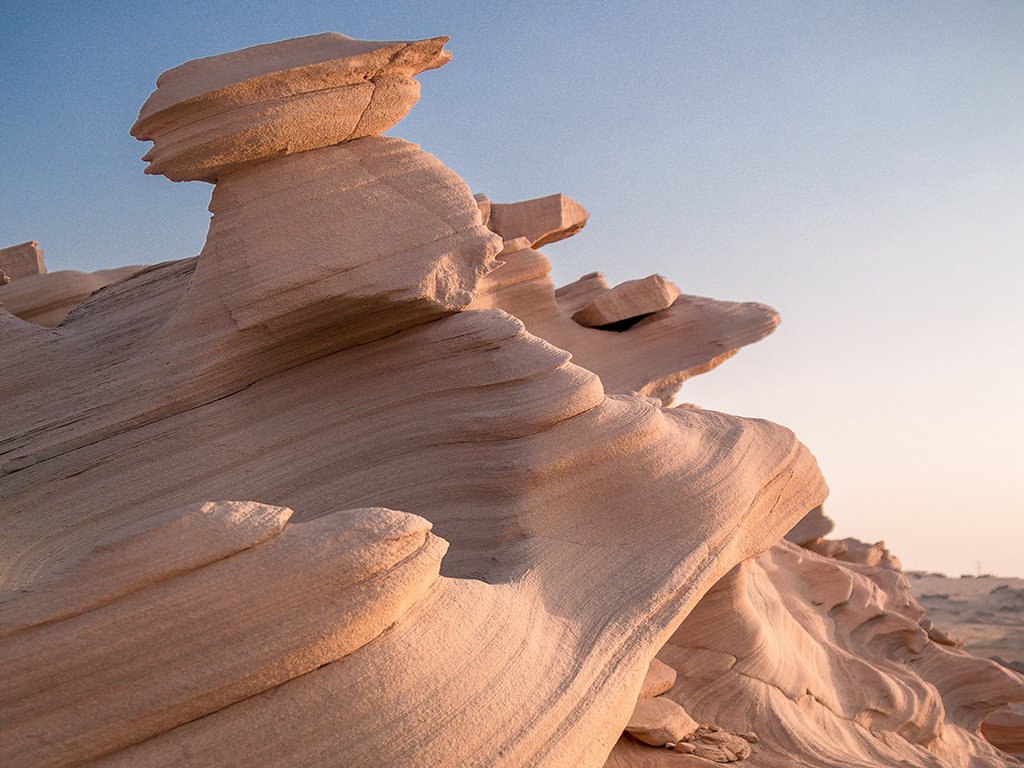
(358, 486)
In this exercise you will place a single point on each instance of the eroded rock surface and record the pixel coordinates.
(370, 382)
(466, 524)
(48, 297)
(831, 663)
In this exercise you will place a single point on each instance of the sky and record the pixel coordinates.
(858, 166)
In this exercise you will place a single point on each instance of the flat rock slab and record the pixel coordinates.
(660, 678)
(542, 220)
(660, 721)
(22, 260)
(634, 298)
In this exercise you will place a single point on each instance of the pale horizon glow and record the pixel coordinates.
(859, 167)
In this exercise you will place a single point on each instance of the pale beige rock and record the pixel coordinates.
(627, 301)
(855, 551)
(346, 346)
(22, 260)
(828, 661)
(210, 115)
(200, 628)
(660, 678)
(46, 299)
(139, 555)
(341, 379)
(814, 526)
(320, 355)
(651, 358)
(699, 748)
(540, 221)
(659, 721)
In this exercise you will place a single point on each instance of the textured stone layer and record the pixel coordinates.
(211, 115)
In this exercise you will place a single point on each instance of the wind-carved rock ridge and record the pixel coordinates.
(347, 351)
(832, 662)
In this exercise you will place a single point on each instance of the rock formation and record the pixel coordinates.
(353, 486)
(22, 260)
(47, 298)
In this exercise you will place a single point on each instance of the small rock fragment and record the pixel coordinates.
(634, 298)
(659, 721)
(542, 220)
(660, 678)
(22, 260)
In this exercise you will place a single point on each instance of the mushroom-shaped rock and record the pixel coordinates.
(353, 376)
(210, 115)
(541, 221)
(632, 299)
(22, 260)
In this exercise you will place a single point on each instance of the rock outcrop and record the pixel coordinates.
(465, 523)
(22, 260)
(352, 379)
(47, 298)
(831, 664)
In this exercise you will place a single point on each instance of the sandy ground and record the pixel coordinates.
(985, 612)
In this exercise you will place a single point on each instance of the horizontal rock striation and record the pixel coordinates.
(211, 115)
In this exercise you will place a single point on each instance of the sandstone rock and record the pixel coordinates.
(22, 260)
(816, 652)
(658, 721)
(541, 221)
(718, 746)
(813, 527)
(653, 357)
(346, 346)
(207, 617)
(46, 299)
(851, 550)
(330, 351)
(210, 115)
(1005, 729)
(629, 300)
(659, 678)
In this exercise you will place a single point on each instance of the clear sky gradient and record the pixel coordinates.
(857, 165)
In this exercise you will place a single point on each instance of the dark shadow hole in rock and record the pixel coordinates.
(622, 325)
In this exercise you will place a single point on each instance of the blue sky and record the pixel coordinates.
(859, 166)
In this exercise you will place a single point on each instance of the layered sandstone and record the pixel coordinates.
(22, 260)
(352, 487)
(47, 298)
